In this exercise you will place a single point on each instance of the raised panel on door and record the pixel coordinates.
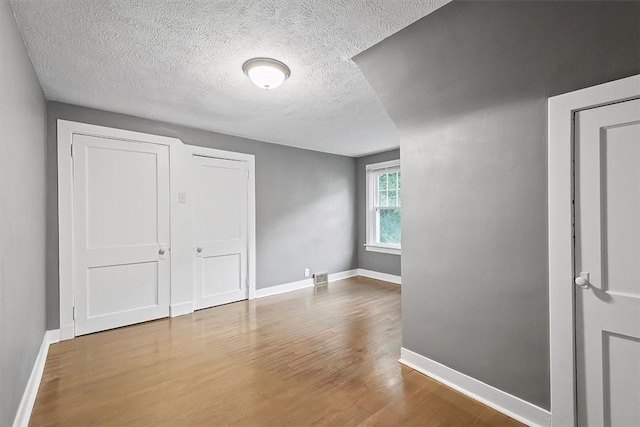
(607, 248)
(220, 231)
(121, 225)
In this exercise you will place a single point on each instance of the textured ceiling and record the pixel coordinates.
(180, 62)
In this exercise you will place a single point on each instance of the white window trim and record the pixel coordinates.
(389, 166)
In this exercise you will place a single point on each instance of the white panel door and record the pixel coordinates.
(607, 250)
(121, 232)
(220, 231)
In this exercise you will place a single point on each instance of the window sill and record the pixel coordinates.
(383, 249)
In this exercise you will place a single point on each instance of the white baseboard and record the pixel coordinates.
(301, 284)
(499, 400)
(53, 336)
(180, 309)
(281, 289)
(380, 276)
(67, 332)
(31, 390)
(342, 275)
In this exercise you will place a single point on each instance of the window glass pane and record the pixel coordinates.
(399, 180)
(399, 198)
(389, 226)
(382, 198)
(393, 178)
(392, 196)
(382, 181)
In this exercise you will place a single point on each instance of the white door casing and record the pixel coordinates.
(121, 232)
(66, 132)
(562, 110)
(248, 160)
(181, 213)
(220, 212)
(607, 248)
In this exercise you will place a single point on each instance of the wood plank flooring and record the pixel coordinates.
(324, 356)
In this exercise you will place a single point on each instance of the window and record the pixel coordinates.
(384, 202)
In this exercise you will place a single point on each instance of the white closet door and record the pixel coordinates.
(607, 250)
(121, 232)
(220, 231)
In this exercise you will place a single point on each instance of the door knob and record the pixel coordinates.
(583, 280)
(161, 250)
(199, 249)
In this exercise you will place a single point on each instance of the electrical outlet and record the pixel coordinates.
(182, 197)
(306, 272)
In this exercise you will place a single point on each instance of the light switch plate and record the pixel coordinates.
(182, 197)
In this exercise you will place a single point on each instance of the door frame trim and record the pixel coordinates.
(251, 203)
(561, 113)
(65, 131)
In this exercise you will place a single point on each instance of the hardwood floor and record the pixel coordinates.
(325, 356)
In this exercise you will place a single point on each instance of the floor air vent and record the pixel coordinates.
(320, 279)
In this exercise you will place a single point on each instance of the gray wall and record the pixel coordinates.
(384, 263)
(22, 216)
(305, 200)
(467, 88)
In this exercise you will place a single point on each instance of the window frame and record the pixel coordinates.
(372, 172)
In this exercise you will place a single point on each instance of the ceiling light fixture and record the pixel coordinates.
(266, 73)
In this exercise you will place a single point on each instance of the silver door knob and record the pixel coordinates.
(583, 279)
(161, 251)
(199, 249)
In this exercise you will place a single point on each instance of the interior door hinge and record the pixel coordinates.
(74, 313)
(71, 150)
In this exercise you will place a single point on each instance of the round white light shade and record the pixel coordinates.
(266, 73)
